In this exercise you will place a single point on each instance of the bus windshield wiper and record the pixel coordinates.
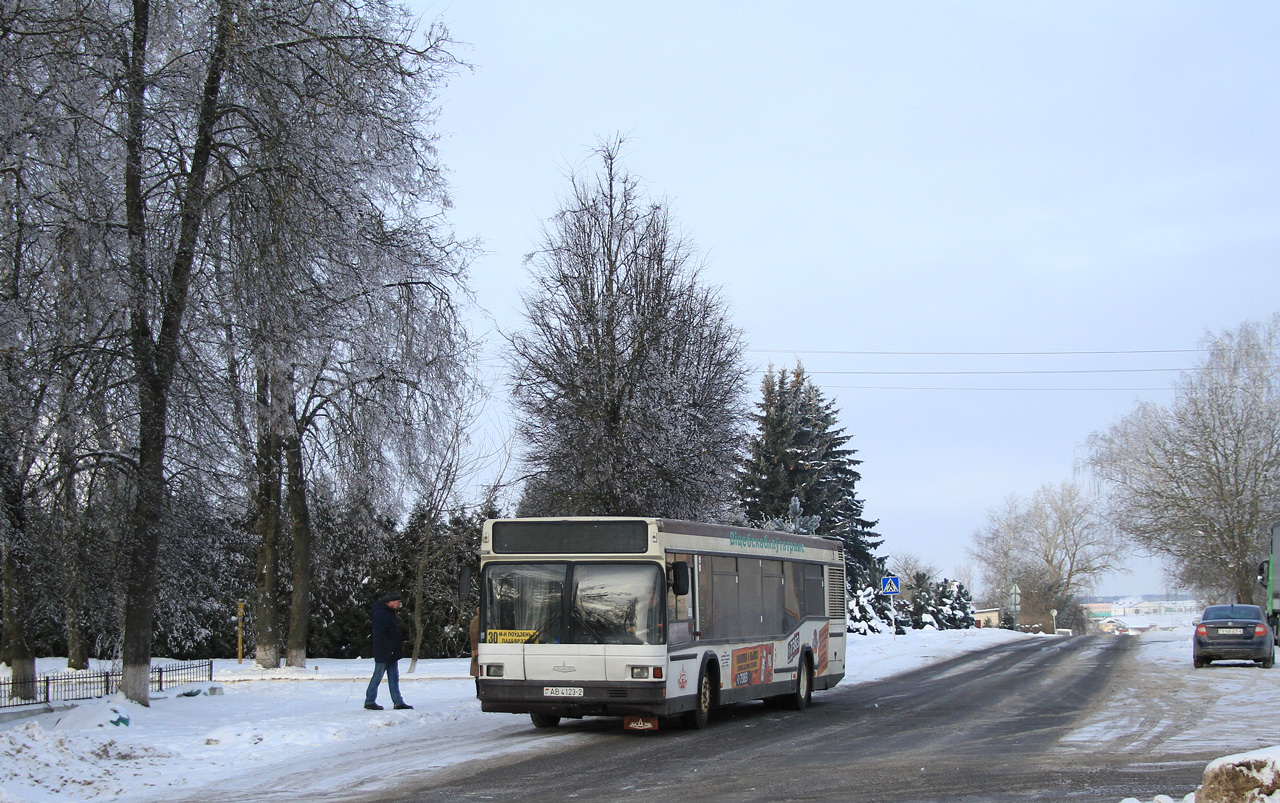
(542, 629)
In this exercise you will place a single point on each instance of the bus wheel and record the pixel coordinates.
(698, 718)
(799, 699)
(544, 720)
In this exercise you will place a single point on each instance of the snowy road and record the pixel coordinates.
(955, 716)
(1089, 719)
(983, 726)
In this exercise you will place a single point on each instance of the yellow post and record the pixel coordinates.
(240, 632)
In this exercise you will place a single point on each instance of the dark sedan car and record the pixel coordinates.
(1233, 632)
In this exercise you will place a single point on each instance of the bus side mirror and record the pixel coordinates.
(680, 578)
(1264, 571)
(464, 584)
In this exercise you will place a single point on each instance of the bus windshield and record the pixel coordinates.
(580, 603)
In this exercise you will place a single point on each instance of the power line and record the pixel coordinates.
(999, 373)
(974, 353)
(997, 390)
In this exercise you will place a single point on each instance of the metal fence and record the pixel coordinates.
(84, 685)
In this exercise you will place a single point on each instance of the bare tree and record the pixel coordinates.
(211, 238)
(447, 467)
(331, 327)
(628, 375)
(158, 279)
(1198, 481)
(909, 564)
(917, 574)
(997, 549)
(1054, 547)
(52, 328)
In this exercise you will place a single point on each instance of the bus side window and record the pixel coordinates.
(815, 594)
(792, 595)
(706, 598)
(724, 588)
(771, 591)
(750, 600)
(679, 608)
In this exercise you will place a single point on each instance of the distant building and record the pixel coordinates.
(986, 617)
(1098, 610)
(1144, 609)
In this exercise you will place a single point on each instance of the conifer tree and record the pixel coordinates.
(799, 452)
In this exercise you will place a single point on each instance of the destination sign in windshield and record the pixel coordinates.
(569, 537)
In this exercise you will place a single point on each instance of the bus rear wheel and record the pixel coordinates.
(544, 720)
(799, 699)
(700, 716)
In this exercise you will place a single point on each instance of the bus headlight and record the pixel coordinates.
(639, 673)
(493, 670)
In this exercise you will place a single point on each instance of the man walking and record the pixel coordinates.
(387, 651)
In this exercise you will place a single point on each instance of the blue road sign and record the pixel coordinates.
(889, 585)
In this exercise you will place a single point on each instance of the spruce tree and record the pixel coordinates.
(799, 452)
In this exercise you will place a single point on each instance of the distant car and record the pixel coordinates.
(1233, 632)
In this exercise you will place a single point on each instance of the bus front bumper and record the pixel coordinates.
(595, 699)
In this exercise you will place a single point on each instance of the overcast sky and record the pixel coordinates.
(908, 179)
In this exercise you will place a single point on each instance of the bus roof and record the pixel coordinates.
(725, 531)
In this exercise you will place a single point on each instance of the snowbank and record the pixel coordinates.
(1252, 777)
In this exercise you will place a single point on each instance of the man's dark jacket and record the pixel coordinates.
(387, 635)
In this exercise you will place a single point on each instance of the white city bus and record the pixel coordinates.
(649, 618)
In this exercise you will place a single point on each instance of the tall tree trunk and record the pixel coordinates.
(13, 519)
(18, 651)
(155, 358)
(72, 559)
(267, 520)
(148, 509)
(300, 527)
(419, 588)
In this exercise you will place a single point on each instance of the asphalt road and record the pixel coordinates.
(984, 726)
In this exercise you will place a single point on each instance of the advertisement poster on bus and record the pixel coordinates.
(753, 665)
(821, 649)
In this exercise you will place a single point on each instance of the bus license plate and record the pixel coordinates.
(1230, 631)
(561, 691)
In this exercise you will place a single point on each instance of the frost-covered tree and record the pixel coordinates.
(55, 359)
(148, 151)
(1197, 481)
(870, 612)
(942, 605)
(438, 617)
(795, 521)
(919, 603)
(799, 451)
(333, 314)
(628, 374)
(1054, 547)
(952, 605)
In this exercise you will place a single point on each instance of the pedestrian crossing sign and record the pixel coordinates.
(889, 586)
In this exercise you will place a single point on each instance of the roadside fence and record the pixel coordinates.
(86, 685)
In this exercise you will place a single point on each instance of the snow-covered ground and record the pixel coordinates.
(1226, 708)
(304, 733)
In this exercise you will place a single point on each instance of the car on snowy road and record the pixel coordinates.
(1233, 632)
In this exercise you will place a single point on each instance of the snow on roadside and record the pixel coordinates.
(1215, 709)
(300, 732)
